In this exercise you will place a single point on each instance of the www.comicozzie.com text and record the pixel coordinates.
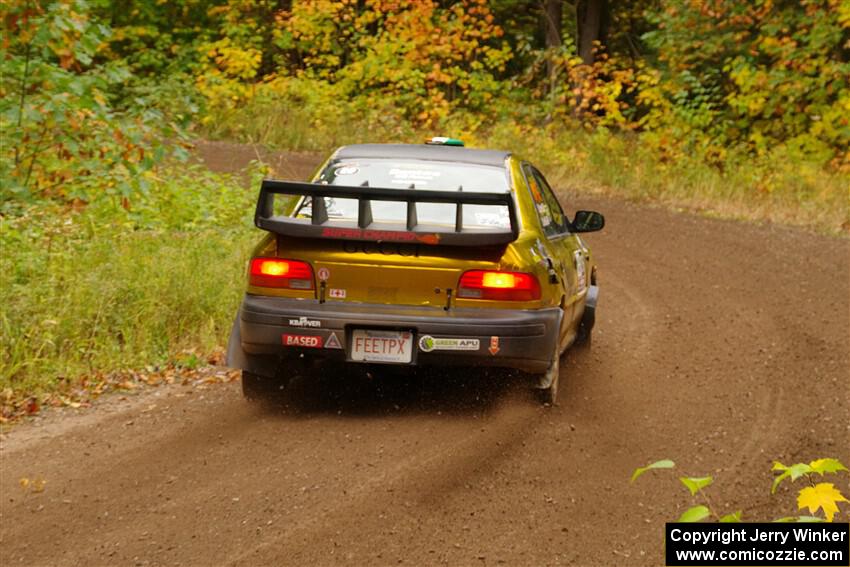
(804, 534)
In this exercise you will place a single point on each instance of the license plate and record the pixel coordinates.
(381, 346)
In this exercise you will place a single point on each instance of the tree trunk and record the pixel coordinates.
(552, 18)
(592, 21)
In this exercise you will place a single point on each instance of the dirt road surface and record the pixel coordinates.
(720, 345)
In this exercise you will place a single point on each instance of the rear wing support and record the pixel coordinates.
(450, 233)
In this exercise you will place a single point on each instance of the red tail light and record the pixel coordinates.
(498, 286)
(274, 272)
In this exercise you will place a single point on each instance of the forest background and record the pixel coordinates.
(118, 252)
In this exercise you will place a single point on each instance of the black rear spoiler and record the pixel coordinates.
(320, 226)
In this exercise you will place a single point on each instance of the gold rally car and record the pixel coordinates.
(430, 254)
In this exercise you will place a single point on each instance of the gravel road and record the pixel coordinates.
(720, 345)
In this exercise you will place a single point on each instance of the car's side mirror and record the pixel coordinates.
(588, 221)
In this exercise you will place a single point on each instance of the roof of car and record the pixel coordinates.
(424, 152)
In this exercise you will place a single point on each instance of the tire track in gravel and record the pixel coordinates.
(414, 485)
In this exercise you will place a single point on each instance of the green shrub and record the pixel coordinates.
(66, 136)
(108, 288)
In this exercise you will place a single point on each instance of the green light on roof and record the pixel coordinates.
(444, 141)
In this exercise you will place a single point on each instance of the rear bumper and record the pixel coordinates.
(521, 339)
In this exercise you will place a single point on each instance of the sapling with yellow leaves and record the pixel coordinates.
(822, 499)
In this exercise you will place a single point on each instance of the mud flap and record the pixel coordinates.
(588, 319)
(237, 358)
(546, 379)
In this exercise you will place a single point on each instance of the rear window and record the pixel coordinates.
(410, 175)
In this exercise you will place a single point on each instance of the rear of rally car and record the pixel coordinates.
(405, 255)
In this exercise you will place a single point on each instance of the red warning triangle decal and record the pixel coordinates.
(332, 342)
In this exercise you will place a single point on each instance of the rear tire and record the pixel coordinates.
(584, 336)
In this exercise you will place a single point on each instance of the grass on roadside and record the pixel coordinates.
(108, 288)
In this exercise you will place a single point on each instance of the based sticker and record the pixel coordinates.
(494, 346)
(346, 170)
(304, 322)
(336, 293)
(306, 341)
(324, 274)
(427, 343)
(333, 342)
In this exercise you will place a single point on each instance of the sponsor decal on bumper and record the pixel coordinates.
(307, 341)
(304, 322)
(333, 342)
(494, 346)
(427, 343)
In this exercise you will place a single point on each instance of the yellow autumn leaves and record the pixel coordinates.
(425, 58)
(822, 496)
